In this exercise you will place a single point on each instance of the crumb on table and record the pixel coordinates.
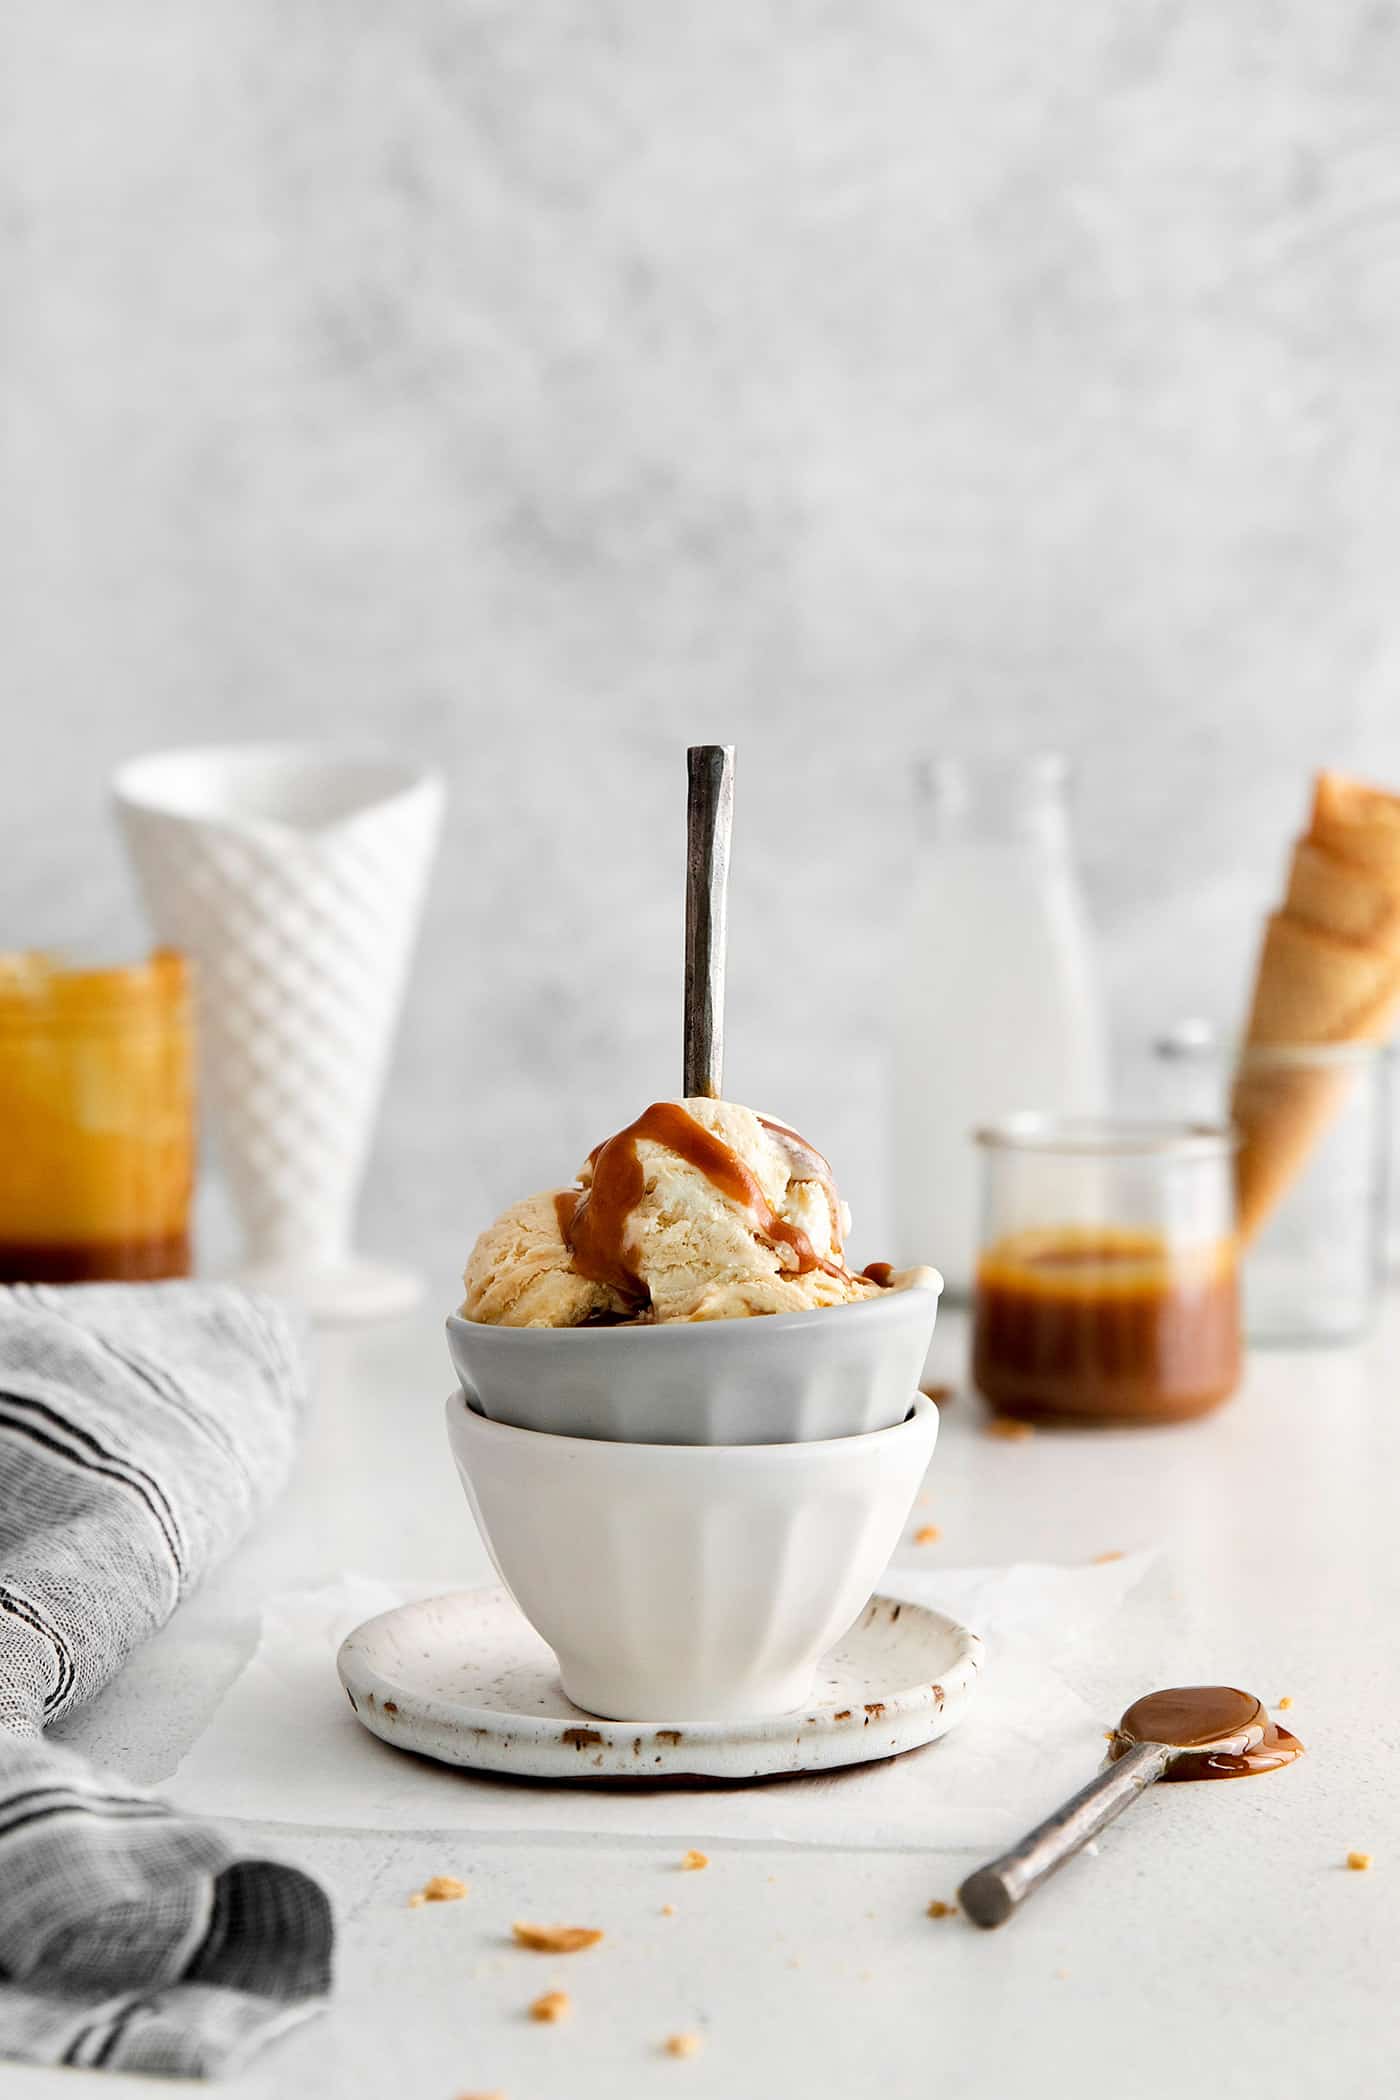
(440, 1888)
(1101, 1560)
(555, 1939)
(694, 1861)
(939, 1909)
(1358, 1861)
(1009, 1429)
(927, 1535)
(551, 2008)
(1284, 1705)
(668, 1910)
(682, 2045)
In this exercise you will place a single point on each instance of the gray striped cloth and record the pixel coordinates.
(143, 1427)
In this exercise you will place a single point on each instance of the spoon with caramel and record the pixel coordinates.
(1197, 1731)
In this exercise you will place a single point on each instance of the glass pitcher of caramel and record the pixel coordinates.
(96, 1120)
(1107, 1285)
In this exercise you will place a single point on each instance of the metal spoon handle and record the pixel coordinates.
(991, 1894)
(710, 817)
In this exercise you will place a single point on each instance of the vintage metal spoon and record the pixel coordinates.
(709, 820)
(1197, 1731)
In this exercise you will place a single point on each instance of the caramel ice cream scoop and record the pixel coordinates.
(699, 1210)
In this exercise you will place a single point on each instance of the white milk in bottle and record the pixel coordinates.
(998, 1006)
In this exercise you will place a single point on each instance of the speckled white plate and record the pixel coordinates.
(465, 1679)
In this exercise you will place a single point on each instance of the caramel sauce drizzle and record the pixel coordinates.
(815, 1166)
(594, 1224)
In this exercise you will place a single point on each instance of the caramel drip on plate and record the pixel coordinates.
(1200, 1716)
(596, 1231)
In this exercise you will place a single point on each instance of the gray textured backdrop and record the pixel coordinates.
(542, 387)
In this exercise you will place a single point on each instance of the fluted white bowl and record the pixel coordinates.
(839, 1370)
(689, 1582)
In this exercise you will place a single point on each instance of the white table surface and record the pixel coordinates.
(1216, 1942)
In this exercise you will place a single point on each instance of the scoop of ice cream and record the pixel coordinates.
(700, 1210)
(520, 1273)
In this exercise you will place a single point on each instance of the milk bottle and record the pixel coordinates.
(998, 1005)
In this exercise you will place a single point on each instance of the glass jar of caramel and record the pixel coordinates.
(96, 1120)
(1106, 1287)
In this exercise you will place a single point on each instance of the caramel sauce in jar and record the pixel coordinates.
(97, 1134)
(1094, 1324)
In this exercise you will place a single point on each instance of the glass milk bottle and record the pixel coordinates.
(998, 1006)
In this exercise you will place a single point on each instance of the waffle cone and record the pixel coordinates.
(1311, 988)
(1358, 823)
(1342, 898)
(1280, 1111)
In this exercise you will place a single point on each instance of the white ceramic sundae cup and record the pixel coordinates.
(695, 1582)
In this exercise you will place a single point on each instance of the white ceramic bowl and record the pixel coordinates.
(782, 1378)
(689, 1582)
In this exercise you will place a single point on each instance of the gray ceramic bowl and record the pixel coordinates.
(781, 1378)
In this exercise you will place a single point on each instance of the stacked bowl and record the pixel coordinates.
(691, 1513)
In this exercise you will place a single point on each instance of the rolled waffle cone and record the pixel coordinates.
(1358, 823)
(1281, 1111)
(1313, 987)
(1342, 897)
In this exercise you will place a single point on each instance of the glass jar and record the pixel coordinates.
(96, 1120)
(1106, 1283)
(1315, 1131)
(998, 1006)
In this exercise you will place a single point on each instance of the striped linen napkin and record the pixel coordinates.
(143, 1427)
